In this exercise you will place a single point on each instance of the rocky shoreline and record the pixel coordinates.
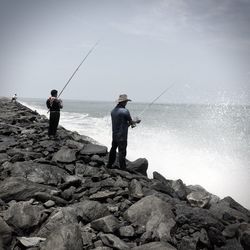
(57, 194)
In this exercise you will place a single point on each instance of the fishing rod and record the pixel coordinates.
(151, 103)
(78, 67)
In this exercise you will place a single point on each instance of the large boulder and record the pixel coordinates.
(20, 189)
(36, 172)
(61, 216)
(65, 155)
(107, 224)
(65, 237)
(140, 166)
(94, 149)
(153, 214)
(24, 216)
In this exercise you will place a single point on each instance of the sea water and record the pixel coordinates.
(207, 145)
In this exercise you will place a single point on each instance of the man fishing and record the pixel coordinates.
(121, 120)
(54, 105)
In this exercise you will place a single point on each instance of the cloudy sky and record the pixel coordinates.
(203, 47)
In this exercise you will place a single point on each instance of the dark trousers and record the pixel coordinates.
(122, 149)
(53, 122)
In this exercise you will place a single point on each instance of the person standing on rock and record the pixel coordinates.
(54, 105)
(14, 98)
(121, 120)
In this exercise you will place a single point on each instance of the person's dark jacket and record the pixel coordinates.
(121, 120)
(54, 104)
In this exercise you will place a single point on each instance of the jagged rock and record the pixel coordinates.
(198, 216)
(20, 189)
(107, 224)
(44, 197)
(135, 189)
(113, 241)
(166, 189)
(155, 246)
(126, 231)
(24, 216)
(160, 178)
(198, 199)
(231, 230)
(25, 154)
(188, 243)
(140, 166)
(222, 210)
(179, 188)
(101, 195)
(5, 233)
(90, 210)
(30, 241)
(65, 155)
(74, 144)
(71, 180)
(38, 173)
(153, 214)
(94, 149)
(85, 170)
(65, 237)
(204, 239)
(235, 205)
(120, 183)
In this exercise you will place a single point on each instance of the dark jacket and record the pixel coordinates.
(121, 120)
(54, 104)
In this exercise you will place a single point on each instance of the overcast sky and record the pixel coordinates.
(203, 47)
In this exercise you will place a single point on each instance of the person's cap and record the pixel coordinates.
(53, 92)
(123, 98)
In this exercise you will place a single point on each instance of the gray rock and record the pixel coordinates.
(102, 195)
(71, 180)
(107, 224)
(135, 189)
(161, 178)
(38, 173)
(231, 244)
(49, 204)
(5, 233)
(140, 166)
(24, 216)
(30, 241)
(94, 149)
(74, 144)
(126, 231)
(90, 210)
(85, 170)
(155, 246)
(44, 197)
(62, 216)
(65, 155)
(198, 198)
(223, 207)
(179, 188)
(188, 243)
(113, 241)
(231, 230)
(65, 237)
(20, 189)
(153, 214)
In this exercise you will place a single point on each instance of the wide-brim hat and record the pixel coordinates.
(123, 98)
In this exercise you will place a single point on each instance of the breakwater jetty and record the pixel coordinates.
(57, 194)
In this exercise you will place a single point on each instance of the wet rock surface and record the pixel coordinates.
(58, 194)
